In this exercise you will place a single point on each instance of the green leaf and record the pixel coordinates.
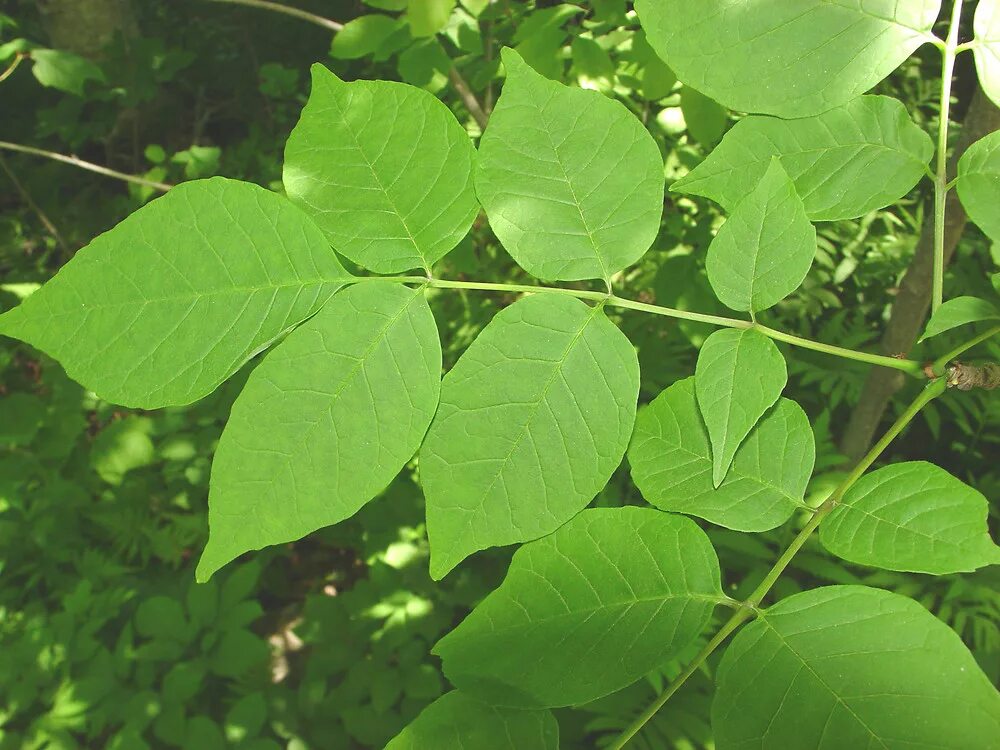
(571, 181)
(739, 376)
(792, 58)
(363, 36)
(325, 422)
(706, 120)
(672, 463)
(428, 17)
(534, 419)
(912, 517)
(590, 609)
(456, 721)
(172, 301)
(851, 667)
(385, 170)
(960, 311)
(64, 70)
(845, 162)
(764, 250)
(986, 47)
(979, 183)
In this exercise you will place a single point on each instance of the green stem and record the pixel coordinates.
(942, 362)
(948, 53)
(89, 166)
(931, 391)
(326, 23)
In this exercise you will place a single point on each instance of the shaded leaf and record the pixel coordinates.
(428, 17)
(671, 463)
(979, 183)
(587, 610)
(958, 312)
(986, 47)
(706, 120)
(570, 180)
(363, 36)
(325, 422)
(534, 418)
(63, 70)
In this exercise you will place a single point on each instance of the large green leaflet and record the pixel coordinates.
(913, 517)
(848, 161)
(587, 610)
(570, 180)
(384, 169)
(851, 667)
(979, 183)
(986, 47)
(457, 721)
(790, 58)
(534, 418)
(671, 462)
(739, 376)
(325, 422)
(764, 250)
(960, 311)
(165, 306)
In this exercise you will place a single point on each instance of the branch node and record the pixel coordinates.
(967, 377)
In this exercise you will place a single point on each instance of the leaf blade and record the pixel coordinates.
(979, 183)
(959, 311)
(986, 47)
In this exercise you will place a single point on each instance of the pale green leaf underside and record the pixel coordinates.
(173, 300)
(790, 58)
(325, 422)
(587, 610)
(570, 180)
(534, 418)
(740, 375)
(851, 667)
(457, 721)
(979, 183)
(384, 169)
(844, 163)
(671, 463)
(960, 311)
(764, 250)
(986, 47)
(912, 517)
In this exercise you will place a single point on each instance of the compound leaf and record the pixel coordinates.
(534, 419)
(986, 47)
(671, 463)
(764, 250)
(385, 170)
(979, 183)
(570, 180)
(325, 422)
(587, 610)
(913, 517)
(165, 306)
(851, 667)
(793, 58)
(960, 311)
(739, 376)
(457, 721)
(844, 163)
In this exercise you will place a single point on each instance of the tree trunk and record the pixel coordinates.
(86, 26)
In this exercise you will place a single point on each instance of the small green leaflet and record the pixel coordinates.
(385, 170)
(845, 163)
(960, 311)
(672, 463)
(64, 71)
(764, 250)
(986, 47)
(587, 610)
(739, 376)
(457, 721)
(325, 422)
(534, 419)
(851, 667)
(792, 58)
(428, 17)
(363, 36)
(706, 120)
(979, 184)
(912, 517)
(165, 306)
(570, 180)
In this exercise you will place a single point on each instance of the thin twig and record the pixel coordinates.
(326, 23)
(26, 196)
(13, 66)
(90, 166)
(471, 102)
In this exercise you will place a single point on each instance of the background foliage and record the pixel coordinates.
(105, 640)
